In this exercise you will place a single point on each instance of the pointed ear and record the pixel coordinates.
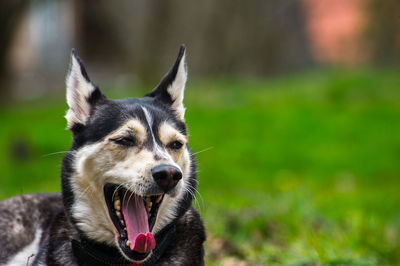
(171, 88)
(82, 94)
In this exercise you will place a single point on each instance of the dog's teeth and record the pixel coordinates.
(127, 243)
(148, 204)
(122, 222)
(117, 205)
(118, 213)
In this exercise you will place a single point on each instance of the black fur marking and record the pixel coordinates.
(161, 92)
(95, 96)
(67, 194)
(77, 127)
(90, 253)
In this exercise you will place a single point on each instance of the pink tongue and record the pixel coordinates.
(135, 215)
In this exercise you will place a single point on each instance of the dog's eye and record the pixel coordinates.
(125, 141)
(175, 145)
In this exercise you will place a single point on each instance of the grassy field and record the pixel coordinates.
(300, 170)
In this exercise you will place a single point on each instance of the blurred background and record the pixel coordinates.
(293, 109)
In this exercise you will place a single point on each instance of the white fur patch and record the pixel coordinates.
(156, 148)
(27, 255)
(78, 91)
(177, 88)
(89, 208)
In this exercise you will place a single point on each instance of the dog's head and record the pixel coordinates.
(129, 172)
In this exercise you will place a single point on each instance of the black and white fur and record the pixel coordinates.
(114, 142)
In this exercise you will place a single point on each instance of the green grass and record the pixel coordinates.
(299, 170)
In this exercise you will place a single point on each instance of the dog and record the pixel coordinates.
(127, 182)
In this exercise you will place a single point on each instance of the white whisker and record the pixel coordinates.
(193, 192)
(54, 153)
(117, 188)
(207, 149)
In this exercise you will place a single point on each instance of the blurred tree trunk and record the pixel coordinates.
(95, 31)
(10, 15)
(383, 31)
(255, 37)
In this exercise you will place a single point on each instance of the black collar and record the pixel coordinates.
(88, 253)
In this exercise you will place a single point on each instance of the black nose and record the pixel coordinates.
(166, 176)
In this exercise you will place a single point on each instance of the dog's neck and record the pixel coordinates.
(87, 252)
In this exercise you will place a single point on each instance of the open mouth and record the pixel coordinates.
(134, 217)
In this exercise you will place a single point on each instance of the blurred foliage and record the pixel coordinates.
(299, 170)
